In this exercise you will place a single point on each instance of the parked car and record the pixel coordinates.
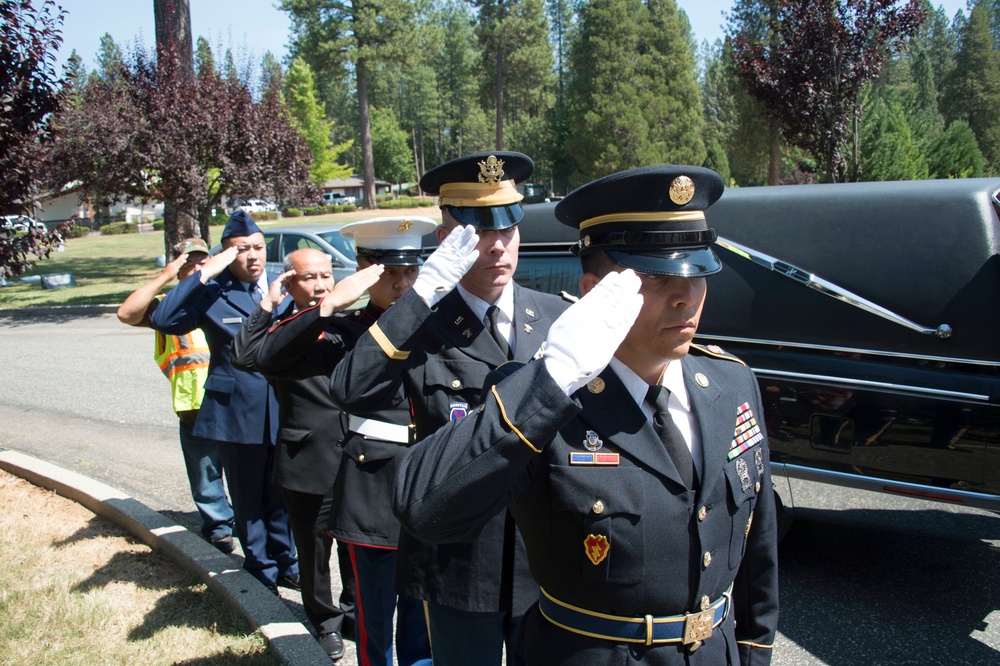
(281, 241)
(870, 313)
(20, 223)
(254, 205)
(338, 198)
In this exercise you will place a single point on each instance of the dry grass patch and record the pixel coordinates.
(77, 589)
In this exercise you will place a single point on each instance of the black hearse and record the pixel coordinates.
(870, 313)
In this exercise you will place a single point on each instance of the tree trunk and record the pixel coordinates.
(774, 161)
(499, 86)
(367, 159)
(173, 40)
(416, 155)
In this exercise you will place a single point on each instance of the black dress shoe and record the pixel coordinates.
(291, 582)
(332, 644)
(223, 543)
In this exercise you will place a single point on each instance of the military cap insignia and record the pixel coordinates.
(747, 433)
(491, 170)
(681, 190)
(596, 546)
(595, 385)
(458, 410)
(592, 441)
(404, 226)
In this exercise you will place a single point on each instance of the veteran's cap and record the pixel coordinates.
(392, 241)
(480, 189)
(189, 245)
(649, 219)
(240, 224)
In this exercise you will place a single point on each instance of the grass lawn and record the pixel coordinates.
(109, 268)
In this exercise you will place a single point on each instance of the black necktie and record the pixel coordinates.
(490, 322)
(669, 434)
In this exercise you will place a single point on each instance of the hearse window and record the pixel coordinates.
(549, 274)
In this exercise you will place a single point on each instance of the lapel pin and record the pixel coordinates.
(467, 332)
(459, 319)
(529, 312)
(596, 546)
(527, 328)
(595, 385)
(701, 379)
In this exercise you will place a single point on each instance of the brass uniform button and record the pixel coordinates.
(702, 512)
(361, 458)
(707, 560)
(455, 383)
(756, 487)
(598, 507)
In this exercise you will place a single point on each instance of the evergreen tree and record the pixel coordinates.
(561, 27)
(954, 154)
(888, 151)
(272, 77)
(204, 59)
(110, 60)
(464, 127)
(974, 91)
(937, 37)
(717, 106)
(921, 103)
(634, 98)
(310, 120)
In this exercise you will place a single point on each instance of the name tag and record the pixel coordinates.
(232, 320)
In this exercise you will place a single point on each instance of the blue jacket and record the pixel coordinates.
(239, 406)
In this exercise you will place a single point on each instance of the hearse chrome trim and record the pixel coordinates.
(865, 383)
(900, 488)
(807, 279)
(848, 350)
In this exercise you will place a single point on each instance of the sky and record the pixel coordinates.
(258, 26)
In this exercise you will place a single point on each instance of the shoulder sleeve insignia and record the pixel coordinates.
(716, 351)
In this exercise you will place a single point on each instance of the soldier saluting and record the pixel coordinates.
(634, 462)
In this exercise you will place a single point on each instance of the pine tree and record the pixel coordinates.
(954, 154)
(390, 147)
(974, 93)
(204, 59)
(888, 151)
(634, 98)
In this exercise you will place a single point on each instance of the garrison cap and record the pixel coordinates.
(649, 219)
(480, 190)
(189, 245)
(240, 224)
(391, 241)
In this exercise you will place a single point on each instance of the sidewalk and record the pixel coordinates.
(287, 637)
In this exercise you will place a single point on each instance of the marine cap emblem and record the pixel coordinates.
(404, 226)
(681, 190)
(491, 170)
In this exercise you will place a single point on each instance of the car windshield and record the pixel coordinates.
(343, 244)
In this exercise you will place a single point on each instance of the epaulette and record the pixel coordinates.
(568, 297)
(716, 351)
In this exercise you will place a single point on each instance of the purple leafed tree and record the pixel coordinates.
(30, 92)
(156, 132)
(807, 61)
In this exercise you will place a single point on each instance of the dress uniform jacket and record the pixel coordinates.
(444, 357)
(298, 367)
(233, 406)
(668, 547)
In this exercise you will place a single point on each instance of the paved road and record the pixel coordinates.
(83, 392)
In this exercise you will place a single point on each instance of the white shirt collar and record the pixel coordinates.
(673, 379)
(479, 307)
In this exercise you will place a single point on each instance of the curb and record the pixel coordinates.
(287, 637)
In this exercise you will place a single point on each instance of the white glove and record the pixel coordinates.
(583, 339)
(447, 264)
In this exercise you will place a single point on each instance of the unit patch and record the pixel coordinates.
(596, 546)
(458, 410)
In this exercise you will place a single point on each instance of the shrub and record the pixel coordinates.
(157, 225)
(118, 228)
(313, 210)
(424, 203)
(78, 231)
(293, 212)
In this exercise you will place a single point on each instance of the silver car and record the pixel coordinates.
(281, 241)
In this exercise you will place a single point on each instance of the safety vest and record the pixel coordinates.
(184, 361)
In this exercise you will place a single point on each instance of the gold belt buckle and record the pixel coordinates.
(698, 626)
